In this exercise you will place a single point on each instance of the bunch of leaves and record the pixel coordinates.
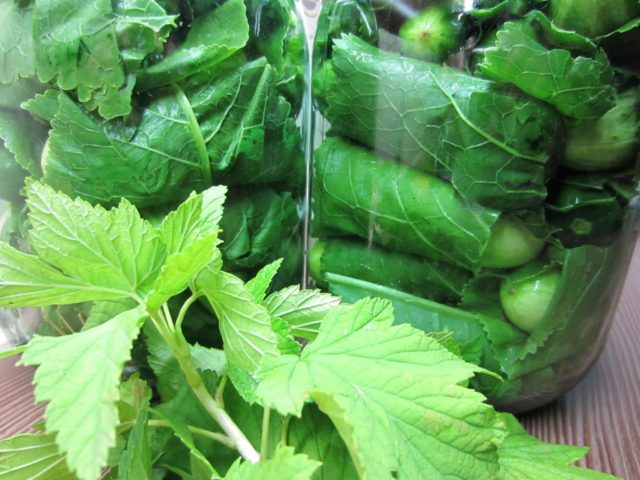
(149, 101)
(578, 87)
(495, 135)
(367, 397)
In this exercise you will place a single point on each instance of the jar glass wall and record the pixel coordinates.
(477, 167)
(115, 103)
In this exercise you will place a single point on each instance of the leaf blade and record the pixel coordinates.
(79, 375)
(389, 393)
(29, 282)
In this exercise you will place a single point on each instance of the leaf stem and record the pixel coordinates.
(264, 440)
(181, 352)
(167, 316)
(160, 324)
(227, 424)
(185, 308)
(220, 391)
(284, 431)
(216, 436)
(198, 138)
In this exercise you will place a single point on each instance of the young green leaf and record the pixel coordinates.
(208, 359)
(135, 460)
(196, 218)
(135, 395)
(27, 281)
(180, 268)
(16, 44)
(190, 235)
(125, 256)
(389, 390)
(284, 464)
(79, 375)
(302, 310)
(259, 284)
(103, 311)
(83, 53)
(32, 456)
(245, 325)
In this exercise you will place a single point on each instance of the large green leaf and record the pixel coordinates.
(579, 87)
(401, 208)
(105, 161)
(213, 38)
(16, 44)
(32, 456)
(494, 144)
(285, 463)
(126, 255)
(425, 315)
(76, 45)
(389, 391)
(79, 375)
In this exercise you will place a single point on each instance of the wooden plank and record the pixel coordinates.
(17, 411)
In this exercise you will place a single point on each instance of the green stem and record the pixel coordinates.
(284, 432)
(222, 418)
(162, 327)
(198, 138)
(216, 436)
(243, 446)
(220, 391)
(264, 441)
(185, 308)
(180, 349)
(167, 316)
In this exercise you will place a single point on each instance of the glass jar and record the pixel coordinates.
(114, 101)
(477, 166)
